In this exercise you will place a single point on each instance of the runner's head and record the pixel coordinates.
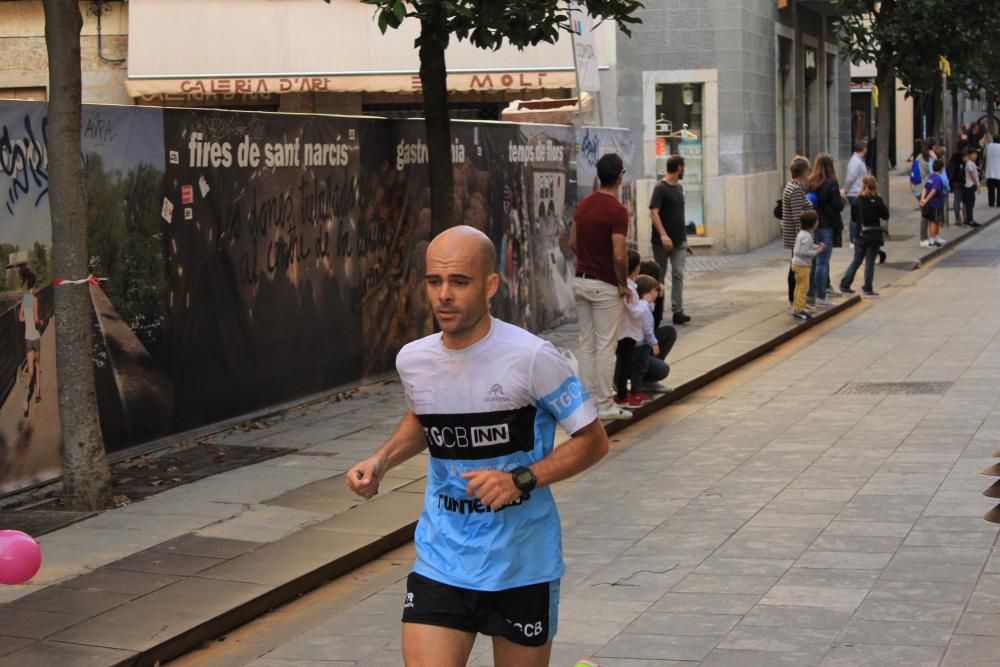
(461, 280)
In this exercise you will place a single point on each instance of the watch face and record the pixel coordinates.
(524, 477)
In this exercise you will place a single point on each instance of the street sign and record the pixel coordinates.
(584, 49)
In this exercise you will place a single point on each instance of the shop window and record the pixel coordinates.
(679, 131)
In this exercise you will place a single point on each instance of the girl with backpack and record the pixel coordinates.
(869, 211)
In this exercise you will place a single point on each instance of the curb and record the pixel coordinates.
(184, 642)
(937, 252)
(691, 386)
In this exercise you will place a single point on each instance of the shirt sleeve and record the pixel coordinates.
(557, 390)
(648, 333)
(620, 223)
(657, 197)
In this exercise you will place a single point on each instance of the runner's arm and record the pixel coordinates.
(587, 446)
(407, 441)
(584, 449)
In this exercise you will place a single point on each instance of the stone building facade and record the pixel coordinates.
(754, 83)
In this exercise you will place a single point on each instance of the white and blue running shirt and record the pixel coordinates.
(493, 405)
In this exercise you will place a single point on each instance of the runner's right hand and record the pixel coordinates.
(363, 479)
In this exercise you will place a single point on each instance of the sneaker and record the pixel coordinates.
(975, 224)
(810, 301)
(935, 244)
(846, 290)
(622, 402)
(870, 295)
(940, 241)
(824, 303)
(927, 244)
(881, 256)
(802, 315)
(614, 414)
(637, 399)
(656, 388)
(681, 318)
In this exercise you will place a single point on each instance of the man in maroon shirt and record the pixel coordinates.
(601, 283)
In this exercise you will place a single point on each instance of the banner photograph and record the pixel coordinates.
(252, 259)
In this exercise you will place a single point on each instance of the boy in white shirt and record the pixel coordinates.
(647, 367)
(629, 333)
(802, 256)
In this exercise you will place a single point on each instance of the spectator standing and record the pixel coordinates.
(666, 208)
(956, 179)
(870, 210)
(601, 283)
(793, 202)
(932, 205)
(805, 252)
(992, 156)
(856, 170)
(971, 186)
(829, 204)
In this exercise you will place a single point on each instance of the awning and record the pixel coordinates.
(219, 47)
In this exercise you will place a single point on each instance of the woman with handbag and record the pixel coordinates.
(869, 211)
(830, 202)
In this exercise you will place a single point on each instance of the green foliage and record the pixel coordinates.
(488, 23)
(40, 263)
(124, 243)
(909, 36)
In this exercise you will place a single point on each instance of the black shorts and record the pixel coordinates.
(527, 615)
(932, 214)
(969, 196)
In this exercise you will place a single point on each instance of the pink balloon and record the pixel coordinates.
(20, 557)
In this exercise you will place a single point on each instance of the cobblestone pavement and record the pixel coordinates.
(782, 515)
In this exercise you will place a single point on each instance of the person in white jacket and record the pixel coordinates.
(992, 156)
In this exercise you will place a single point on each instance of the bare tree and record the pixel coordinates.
(86, 477)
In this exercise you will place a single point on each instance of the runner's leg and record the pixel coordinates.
(508, 654)
(435, 646)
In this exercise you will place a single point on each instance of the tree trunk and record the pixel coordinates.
(886, 81)
(433, 79)
(956, 122)
(86, 478)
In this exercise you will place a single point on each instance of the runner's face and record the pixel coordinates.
(458, 287)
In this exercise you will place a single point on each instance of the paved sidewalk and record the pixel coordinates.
(184, 564)
(780, 516)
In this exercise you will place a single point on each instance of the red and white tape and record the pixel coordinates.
(89, 280)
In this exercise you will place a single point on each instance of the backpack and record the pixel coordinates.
(813, 199)
(777, 210)
(915, 171)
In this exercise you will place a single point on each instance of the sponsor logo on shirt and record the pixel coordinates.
(468, 436)
(495, 395)
(470, 505)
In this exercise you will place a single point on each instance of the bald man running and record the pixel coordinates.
(485, 397)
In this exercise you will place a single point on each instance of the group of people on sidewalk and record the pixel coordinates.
(812, 226)
(620, 297)
(976, 152)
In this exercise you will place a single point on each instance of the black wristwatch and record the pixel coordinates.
(524, 479)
